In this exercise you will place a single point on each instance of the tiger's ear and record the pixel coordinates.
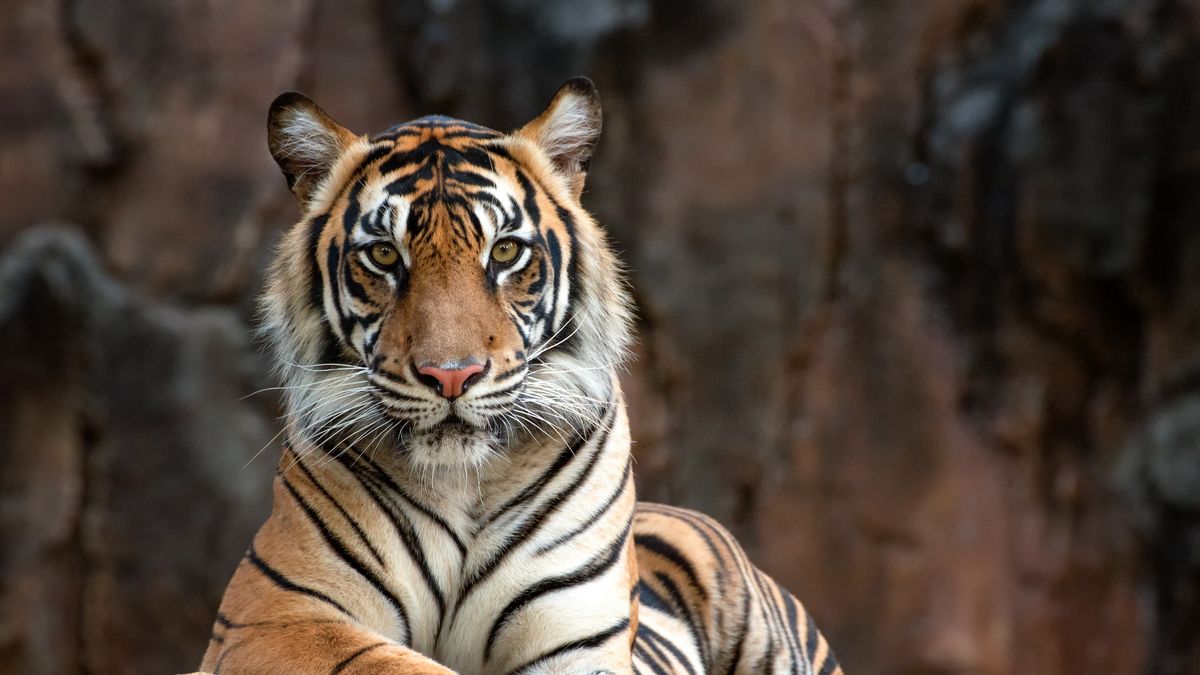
(567, 130)
(305, 142)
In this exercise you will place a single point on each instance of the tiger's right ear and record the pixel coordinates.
(305, 142)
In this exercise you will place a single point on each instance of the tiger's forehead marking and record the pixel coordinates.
(437, 127)
(436, 181)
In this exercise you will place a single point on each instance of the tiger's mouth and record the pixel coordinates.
(453, 425)
(451, 442)
(451, 428)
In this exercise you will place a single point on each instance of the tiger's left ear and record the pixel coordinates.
(305, 142)
(567, 130)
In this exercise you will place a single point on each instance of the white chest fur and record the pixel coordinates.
(492, 566)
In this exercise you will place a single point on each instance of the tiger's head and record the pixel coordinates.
(444, 295)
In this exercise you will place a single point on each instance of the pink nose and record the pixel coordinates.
(450, 382)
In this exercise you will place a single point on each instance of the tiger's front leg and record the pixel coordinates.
(287, 626)
(311, 596)
(314, 645)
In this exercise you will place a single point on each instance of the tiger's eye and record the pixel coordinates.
(506, 251)
(384, 255)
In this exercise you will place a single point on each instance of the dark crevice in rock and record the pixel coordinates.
(92, 108)
(90, 99)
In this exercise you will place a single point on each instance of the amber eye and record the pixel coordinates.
(506, 251)
(384, 255)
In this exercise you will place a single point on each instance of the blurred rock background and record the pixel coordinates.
(919, 286)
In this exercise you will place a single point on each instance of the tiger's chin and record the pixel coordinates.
(452, 445)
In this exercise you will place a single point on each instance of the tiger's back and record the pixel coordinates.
(705, 608)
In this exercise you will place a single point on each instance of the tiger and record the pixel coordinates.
(455, 491)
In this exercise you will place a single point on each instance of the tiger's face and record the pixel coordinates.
(445, 294)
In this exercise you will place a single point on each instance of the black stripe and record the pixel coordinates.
(502, 392)
(769, 651)
(380, 475)
(649, 597)
(408, 537)
(560, 462)
(353, 209)
(584, 643)
(373, 225)
(390, 377)
(695, 627)
(734, 553)
(316, 287)
(568, 222)
(593, 569)
(476, 134)
(658, 545)
(422, 153)
(790, 638)
(532, 524)
(831, 662)
(333, 267)
(811, 636)
(652, 651)
(653, 636)
(475, 157)
(551, 297)
(339, 547)
(703, 526)
(359, 293)
(469, 178)
(743, 630)
(405, 184)
(534, 290)
(378, 152)
(510, 372)
(337, 505)
(530, 197)
(789, 603)
(595, 517)
(287, 585)
(396, 133)
(479, 196)
(226, 623)
(344, 663)
(694, 523)
(497, 151)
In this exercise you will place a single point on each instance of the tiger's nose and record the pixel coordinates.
(452, 381)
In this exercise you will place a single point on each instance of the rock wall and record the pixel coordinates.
(919, 287)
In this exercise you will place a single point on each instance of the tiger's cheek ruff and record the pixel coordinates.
(584, 331)
(325, 388)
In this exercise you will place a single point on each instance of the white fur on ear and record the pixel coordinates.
(306, 144)
(304, 141)
(567, 130)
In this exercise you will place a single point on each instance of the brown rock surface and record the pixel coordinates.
(919, 286)
(128, 491)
